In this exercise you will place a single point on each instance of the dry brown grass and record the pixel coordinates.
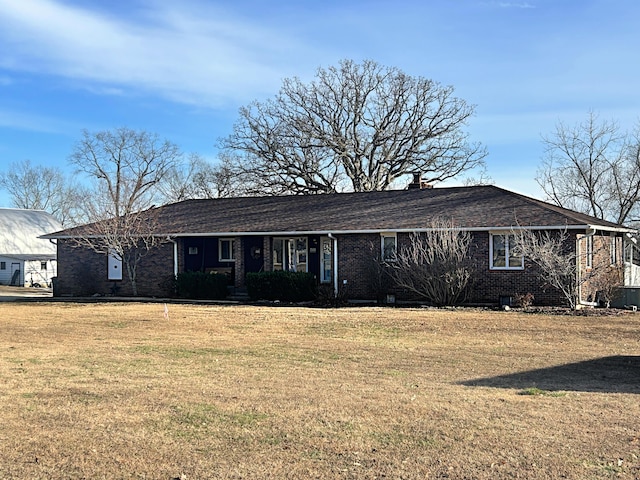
(117, 391)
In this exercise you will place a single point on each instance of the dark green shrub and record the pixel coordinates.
(201, 285)
(281, 285)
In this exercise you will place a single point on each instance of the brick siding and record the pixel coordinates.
(267, 253)
(83, 272)
(490, 285)
(595, 278)
(356, 253)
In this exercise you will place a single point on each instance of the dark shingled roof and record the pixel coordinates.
(473, 208)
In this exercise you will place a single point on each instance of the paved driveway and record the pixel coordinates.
(9, 294)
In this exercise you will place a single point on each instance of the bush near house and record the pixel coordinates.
(281, 285)
(201, 285)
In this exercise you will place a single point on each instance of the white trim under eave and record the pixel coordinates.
(406, 230)
(377, 231)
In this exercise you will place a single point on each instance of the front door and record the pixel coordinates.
(16, 275)
(326, 260)
(253, 254)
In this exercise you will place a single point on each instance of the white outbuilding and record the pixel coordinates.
(26, 259)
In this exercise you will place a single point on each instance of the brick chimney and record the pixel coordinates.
(417, 183)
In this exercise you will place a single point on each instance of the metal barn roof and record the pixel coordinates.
(20, 231)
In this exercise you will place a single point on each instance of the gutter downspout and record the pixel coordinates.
(335, 263)
(54, 264)
(590, 233)
(175, 256)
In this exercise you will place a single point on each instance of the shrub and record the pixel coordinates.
(434, 265)
(524, 300)
(328, 297)
(201, 285)
(281, 285)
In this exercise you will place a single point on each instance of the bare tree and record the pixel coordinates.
(559, 264)
(197, 178)
(355, 127)
(556, 261)
(608, 283)
(128, 238)
(178, 183)
(593, 167)
(435, 265)
(126, 166)
(481, 178)
(226, 180)
(35, 187)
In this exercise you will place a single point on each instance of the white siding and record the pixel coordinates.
(5, 273)
(20, 244)
(33, 272)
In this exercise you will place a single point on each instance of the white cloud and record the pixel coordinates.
(515, 5)
(194, 54)
(522, 5)
(104, 90)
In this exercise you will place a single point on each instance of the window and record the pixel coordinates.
(3, 265)
(290, 254)
(631, 253)
(226, 250)
(589, 252)
(503, 253)
(43, 265)
(388, 245)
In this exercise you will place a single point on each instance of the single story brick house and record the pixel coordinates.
(335, 236)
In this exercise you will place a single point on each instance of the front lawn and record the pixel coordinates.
(121, 390)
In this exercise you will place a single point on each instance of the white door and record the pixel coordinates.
(326, 260)
(114, 266)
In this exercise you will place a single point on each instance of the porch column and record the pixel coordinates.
(238, 253)
(267, 254)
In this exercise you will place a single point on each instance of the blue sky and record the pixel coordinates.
(182, 69)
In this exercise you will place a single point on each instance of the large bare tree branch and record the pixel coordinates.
(592, 167)
(355, 127)
(128, 164)
(197, 178)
